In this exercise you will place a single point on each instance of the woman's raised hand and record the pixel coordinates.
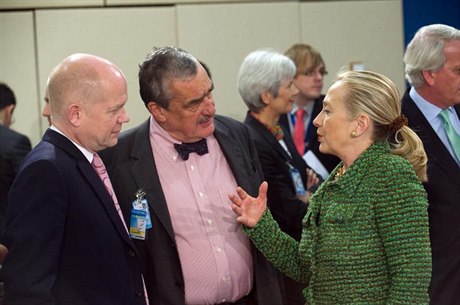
(248, 208)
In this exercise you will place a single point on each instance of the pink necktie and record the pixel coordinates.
(99, 166)
(299, 131)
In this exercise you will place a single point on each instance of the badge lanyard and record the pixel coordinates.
(140, 217)
(296, 180)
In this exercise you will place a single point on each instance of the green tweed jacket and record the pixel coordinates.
(365, 236)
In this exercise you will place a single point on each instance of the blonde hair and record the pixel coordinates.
(377, 96)
(304, 56)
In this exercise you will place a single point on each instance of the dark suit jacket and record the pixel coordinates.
(443, 188)
(67, 244)
(286, 209)
(329, 161)
(13, 149)
(133, 167)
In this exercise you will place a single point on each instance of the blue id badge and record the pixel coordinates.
(138, 224)
(297, 181)
(140, 217)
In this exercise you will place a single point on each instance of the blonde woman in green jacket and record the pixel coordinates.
(365, 236)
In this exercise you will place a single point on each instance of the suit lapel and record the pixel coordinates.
(312, 138)
(267, 136)
(232, 152)
(435, 149)
(104, 197)
(317, 107)
(91, 176)
(242, 165)
(284, 121)
(146, 177)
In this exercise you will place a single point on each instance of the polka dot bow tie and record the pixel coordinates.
(184, 149)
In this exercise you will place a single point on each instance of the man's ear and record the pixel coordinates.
(74, 114)
(428, 77)
(157, 111)
(6, 115)
(10, 109)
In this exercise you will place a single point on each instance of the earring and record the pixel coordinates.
(353, 134)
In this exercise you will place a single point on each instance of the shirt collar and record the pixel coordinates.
(88, 155)
(157, 130)
(429, 110)
(308, 108)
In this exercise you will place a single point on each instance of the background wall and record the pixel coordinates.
(440, 11)
(34, 39)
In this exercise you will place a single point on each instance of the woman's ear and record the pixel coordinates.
(363, 122)
(266, 97)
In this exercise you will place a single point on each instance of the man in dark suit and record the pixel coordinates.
(309, 78)
(432, 63)
(183, 162)
(13, 148)
(67, 242)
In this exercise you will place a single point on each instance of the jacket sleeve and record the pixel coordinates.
(19, 151)
(278, 247)
(34, 233)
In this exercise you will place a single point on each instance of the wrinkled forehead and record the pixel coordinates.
(191, 87)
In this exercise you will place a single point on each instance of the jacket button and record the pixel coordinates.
(131, 253)
(140, 293)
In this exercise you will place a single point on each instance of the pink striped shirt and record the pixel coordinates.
(215, 254)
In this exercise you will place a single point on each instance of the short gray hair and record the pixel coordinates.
(263, 70)
(426, 51)
(160, 68)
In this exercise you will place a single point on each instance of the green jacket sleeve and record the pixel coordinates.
(278, 247)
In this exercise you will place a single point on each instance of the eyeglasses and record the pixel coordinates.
(322, 72)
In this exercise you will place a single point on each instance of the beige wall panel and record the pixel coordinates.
(136, 2)
(122, 35)
(366, 31)
(18, 70)
(221, 35)
(15, 4)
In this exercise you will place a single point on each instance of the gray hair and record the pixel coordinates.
(161, 67)
(263, 70)
(426, 51)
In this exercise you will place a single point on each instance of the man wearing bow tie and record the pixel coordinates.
(186, 160)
